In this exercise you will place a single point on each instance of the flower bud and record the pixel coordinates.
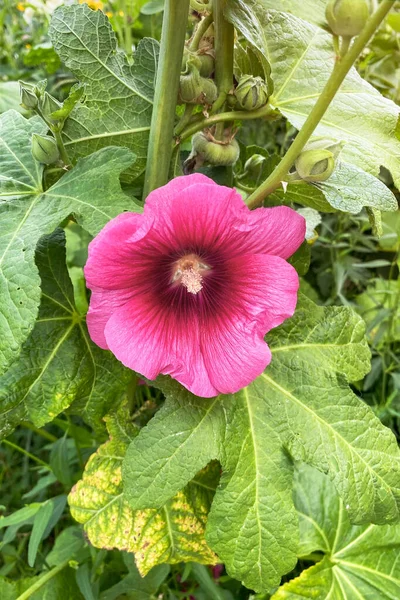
(251, 92)
(347, 17)
(31, 92)
(315, 165)
(319, 143)
(44, 149)
(203, 60)
(254, 164)
(29, 100)
(48, 105)
(194, 89)
(213, 152)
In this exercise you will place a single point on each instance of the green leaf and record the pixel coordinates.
(59, 366)
(310, 10)
(301, 66)
(60, 587)
(119, 97)
(252, 525)
(143, 588)
(42, 519)
(172, 534)
(360, 562)
(302, 403)
(192, 426)
(380, 308)
(67, 545)
(91, 191)
(348, 189)
(21, 516)
(390, 240)
(10, 96)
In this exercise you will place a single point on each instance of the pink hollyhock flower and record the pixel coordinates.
(190, 287)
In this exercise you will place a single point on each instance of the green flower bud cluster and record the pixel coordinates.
(195, 89)
(317, 160)
(347, 17)
(44, 149)
(207, 150)
(251, 92)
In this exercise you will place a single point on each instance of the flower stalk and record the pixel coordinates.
(261, 113)
(340, 70)
(166, 92)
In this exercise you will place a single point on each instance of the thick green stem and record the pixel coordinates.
(166, 92)
(224, 43)
(42, 580)
(127, 29)
(224, 40)
(341, 69)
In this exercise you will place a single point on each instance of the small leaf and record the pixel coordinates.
(40, 523)
(143, 588)
(67, 545)
(59, 461)
(349, 189)
(21, 516)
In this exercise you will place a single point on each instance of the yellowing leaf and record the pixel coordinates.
(171, 534)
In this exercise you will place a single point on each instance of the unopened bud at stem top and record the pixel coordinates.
(347, 17)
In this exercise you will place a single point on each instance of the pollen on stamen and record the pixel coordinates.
(192, 280)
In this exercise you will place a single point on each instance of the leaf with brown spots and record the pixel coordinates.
(171, 534)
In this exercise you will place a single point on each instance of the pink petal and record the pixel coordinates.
(268, 289)
(209, 214)
(151, 341)
(234, 356)
(234, 349)
(108, 264)
(277, 231)
(103, 303)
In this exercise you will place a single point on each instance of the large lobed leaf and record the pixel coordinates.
(119, 96)
(59, 366)
(172, 533)
(302, 403)
(91, 191)
(301, 57)
(360, 562)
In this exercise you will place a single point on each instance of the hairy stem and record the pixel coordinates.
(166, 92)
(341, 69)
(42, 580)
(61, 147)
